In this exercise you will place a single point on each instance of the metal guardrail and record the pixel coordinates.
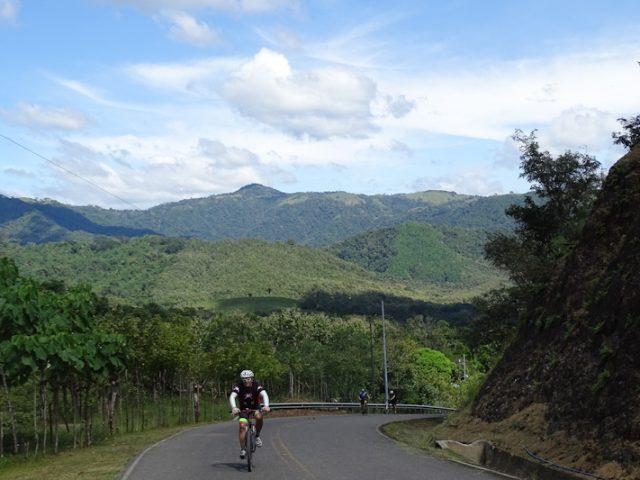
(436, 411)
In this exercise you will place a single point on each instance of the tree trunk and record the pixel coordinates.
(12, 417)
(36, 436)
(65, 405)
(55, 418)
(196, 402)
(87, 417)
(74, 408)
(290, 383)
(43, 396)
(111, 408)
(139, 400)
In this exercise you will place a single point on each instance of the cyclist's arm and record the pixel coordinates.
(265, 398)
(232, 400)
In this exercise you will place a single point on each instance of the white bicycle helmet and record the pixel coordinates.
(246, 374)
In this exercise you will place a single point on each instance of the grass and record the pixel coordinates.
(418, 434)
(255, 304)
(99, 462)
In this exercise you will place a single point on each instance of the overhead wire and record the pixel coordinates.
(123, 200)
(70, 172)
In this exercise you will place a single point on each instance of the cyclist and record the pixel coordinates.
(251, 395)
(364, 398)
(393, 400)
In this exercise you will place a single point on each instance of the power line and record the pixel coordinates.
(70, 172)
(93, 184)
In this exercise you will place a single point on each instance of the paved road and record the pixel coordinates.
(324, 447)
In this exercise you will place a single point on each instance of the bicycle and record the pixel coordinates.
(250, 436)
(364, 406)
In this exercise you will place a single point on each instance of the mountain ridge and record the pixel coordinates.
(308, 218)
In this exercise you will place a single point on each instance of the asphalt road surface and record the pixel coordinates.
(323, 447)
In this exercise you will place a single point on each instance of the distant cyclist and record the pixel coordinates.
(393, 400)
(251, 395)
(364, 399)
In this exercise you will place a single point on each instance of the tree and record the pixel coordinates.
(432, 373)
(632, 136)
(52, 339)
(547, 226)
(548, 223)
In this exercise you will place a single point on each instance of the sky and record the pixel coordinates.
(133, 103)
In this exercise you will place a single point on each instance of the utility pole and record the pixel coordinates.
(373, 377)
(384, 356)
(464, 366)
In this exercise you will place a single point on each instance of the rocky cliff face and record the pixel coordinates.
(578, 354)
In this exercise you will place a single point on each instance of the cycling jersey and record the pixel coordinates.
(249, 397)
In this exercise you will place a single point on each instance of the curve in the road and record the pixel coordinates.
(324, 447)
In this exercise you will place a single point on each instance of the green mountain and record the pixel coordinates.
(29, 221)
(315, 219)
(421, 253)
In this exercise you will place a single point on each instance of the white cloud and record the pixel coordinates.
(579, 128)
(97, 96)
(507, 154)
(199, 77)
(249, 6)
(19, 173)
(319, 103)
(38, 116)
(400, 106)
(480, 101)
(255, 6)
(185, 28)
(222, 156)
(467, 182)
(9, 10)
(156, 170)
(401, 147)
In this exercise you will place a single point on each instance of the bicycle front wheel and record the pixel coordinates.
(249, 447)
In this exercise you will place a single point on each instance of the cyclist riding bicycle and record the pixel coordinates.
(393, 400)
(364, 399)
(251, 395)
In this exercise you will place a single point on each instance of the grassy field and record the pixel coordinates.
(262, 305)
(100, 462)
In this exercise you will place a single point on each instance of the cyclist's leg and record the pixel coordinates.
(243, 423)
(259, 421)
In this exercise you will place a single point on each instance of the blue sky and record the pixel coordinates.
(156, 101)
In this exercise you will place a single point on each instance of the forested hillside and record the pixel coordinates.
(197, 273)
(418, 252)
(314, 219)
(254, 211)
(48, 221)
